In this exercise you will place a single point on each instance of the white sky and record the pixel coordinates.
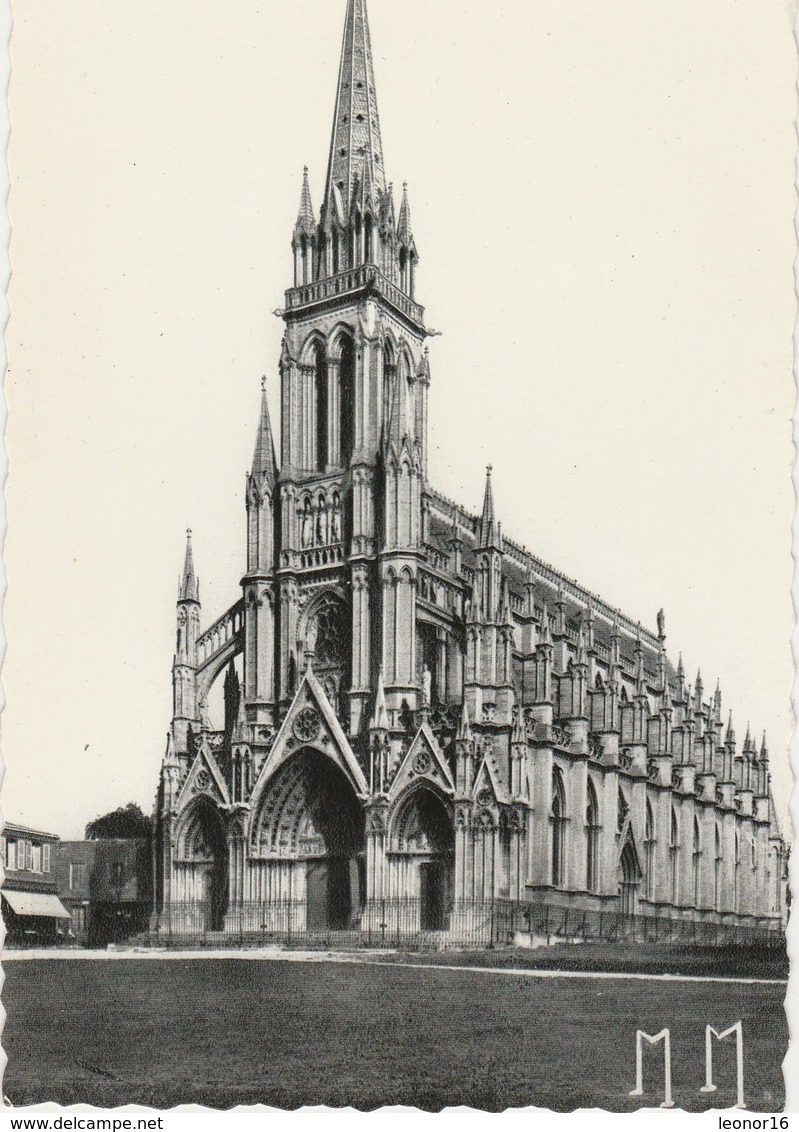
(602, 198)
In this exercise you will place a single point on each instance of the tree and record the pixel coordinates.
(127, 821)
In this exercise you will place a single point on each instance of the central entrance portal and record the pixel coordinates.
(332, 894)
(312, 818)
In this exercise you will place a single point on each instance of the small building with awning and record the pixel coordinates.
(32, 911)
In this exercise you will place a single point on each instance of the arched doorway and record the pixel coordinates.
(312, 822)
(426, 840)
(629, 880)
(205, 856)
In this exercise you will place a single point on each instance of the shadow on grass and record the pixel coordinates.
(737, 962)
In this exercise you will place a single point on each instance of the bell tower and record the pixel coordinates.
(354, 378)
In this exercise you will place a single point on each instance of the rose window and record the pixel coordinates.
(422, 763)
(306, 725)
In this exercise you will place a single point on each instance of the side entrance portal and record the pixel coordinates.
(434, 888)
(201, 868)
(424, 856)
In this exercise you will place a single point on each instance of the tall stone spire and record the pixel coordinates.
(488, 500)
(189, 585)
(263, 460)
(356, 149)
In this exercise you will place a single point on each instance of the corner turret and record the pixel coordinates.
(304, 240)
(184, 665)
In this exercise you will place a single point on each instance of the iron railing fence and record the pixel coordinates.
(414, 924)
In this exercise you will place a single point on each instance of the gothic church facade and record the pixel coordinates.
(418, 711)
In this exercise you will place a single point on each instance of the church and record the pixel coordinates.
(425, 727)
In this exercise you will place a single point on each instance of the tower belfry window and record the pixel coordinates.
(347, 400)
(321, 408)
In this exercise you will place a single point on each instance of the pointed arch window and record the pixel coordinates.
(389, 375)
(407, 393)
(505, 849)
(736, 876)
(774, 877)
(696, 862)
(591, 840)
(322, 407)
(558, 831)
(307, 260)
(332, 631)
(674, 857)
(629, 878)
(355, 240)
(649, 852)
(717, 872)
(346, 400)
(328, 643)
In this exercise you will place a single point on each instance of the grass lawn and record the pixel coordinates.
(227, 1032)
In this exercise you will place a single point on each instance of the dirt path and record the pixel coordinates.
(372, 958)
